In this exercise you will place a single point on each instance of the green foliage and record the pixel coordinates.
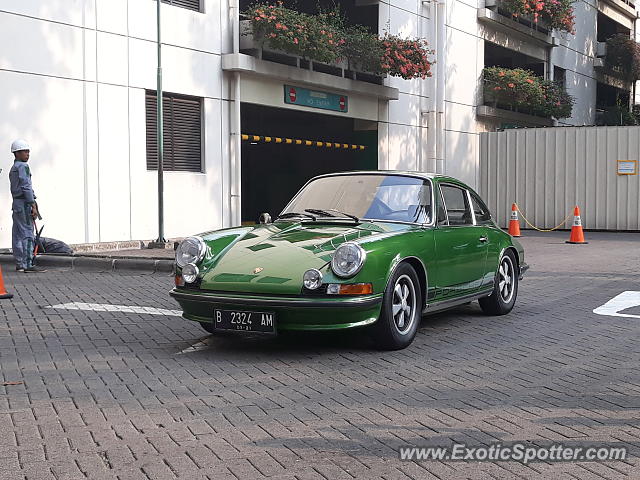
(619, 115)
(362, 50)
(522, 90)
(623, 57)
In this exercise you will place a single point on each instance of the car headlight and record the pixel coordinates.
(190, 273)
(312, 279)
(348, 259)
(190, 250)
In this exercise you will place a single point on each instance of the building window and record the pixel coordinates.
(560, 76)
(182, 132)
(190, 4)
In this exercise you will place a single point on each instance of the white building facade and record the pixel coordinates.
(77, 80)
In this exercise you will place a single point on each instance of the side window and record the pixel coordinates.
(457, 205)
(480, 209)
(441, 214)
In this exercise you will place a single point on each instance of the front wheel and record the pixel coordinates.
(401, 310)
(505, 288)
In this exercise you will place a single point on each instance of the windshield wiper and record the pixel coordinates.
(345, 214)
(317, 211)
(296, 214)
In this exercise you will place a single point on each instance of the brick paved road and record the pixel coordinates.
(131, 396)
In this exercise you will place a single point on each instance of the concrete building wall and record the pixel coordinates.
(73, 83)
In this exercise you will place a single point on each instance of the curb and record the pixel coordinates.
(100, 264)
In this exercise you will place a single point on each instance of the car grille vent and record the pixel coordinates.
(193, 286)
(320, 292)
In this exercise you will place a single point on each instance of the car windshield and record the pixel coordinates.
(373, 197)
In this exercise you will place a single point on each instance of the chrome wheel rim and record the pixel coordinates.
(506, 279)
(403, 304)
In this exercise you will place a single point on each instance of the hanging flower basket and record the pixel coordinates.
(623, 57)
(314, 37)
(326, 38)
(557, 14)
(406, 58)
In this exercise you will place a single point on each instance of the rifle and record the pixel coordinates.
(37, 239)
(37, 210)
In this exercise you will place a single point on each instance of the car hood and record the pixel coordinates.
(272, 259)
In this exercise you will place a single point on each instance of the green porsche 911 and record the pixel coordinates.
(373, 250)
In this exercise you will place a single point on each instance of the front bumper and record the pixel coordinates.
(292, 313)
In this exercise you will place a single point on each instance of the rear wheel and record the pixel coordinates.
(401, 310)
(505, 288)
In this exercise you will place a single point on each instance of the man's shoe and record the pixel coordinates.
(19, 269)
(35, 269)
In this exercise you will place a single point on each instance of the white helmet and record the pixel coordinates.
(19, 145)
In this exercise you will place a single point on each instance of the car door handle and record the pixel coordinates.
(483, 239)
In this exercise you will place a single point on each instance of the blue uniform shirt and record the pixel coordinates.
(20, 178)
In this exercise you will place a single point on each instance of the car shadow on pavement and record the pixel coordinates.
(354, 340)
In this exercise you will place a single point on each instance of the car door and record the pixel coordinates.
(494, 236)
(461, 244)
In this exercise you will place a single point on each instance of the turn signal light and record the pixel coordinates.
(350, 289)
(179, 280)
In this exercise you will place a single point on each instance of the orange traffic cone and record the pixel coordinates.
(514, 224)
(577, 236)
(3, 291)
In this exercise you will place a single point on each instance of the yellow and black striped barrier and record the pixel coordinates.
(296, 141)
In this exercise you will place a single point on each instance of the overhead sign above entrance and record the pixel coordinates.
(315, 99)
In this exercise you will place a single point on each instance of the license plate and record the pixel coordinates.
(244, 321)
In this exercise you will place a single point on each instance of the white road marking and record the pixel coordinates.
(105, 307)
(195, 347)
(619, 303)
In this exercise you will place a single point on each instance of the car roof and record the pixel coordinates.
(426, 175)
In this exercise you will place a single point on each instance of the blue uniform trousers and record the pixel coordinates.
(23, 237)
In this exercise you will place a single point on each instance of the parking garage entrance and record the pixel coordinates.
(282, 149)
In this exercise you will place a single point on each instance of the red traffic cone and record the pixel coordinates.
(3, 291)
(514, 223)
(577, 235)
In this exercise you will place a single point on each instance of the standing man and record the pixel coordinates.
(24, 207)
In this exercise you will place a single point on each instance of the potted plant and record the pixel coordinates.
(521, 90)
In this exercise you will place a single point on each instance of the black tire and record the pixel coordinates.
(396, 332)
(505, 287)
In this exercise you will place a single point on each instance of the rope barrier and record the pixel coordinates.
(543, 229)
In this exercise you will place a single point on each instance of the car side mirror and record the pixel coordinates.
(264, 218)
